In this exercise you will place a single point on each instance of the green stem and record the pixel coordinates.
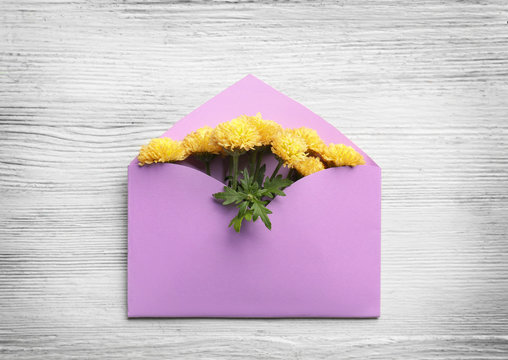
(207, 166)
(258, 162)
(230, 170)
(235, 170)
(252, 162)
(291, 173)
(276, 170)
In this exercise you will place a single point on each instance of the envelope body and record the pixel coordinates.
(321, 258)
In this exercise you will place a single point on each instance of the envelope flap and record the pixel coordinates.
(250, 96)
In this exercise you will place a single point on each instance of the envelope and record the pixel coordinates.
(321, 258)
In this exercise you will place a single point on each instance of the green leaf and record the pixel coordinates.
(249, 194)
(248, 215)
(244, 213)
(246, 181)
(249, 187)
(230, 196)
(260, 175)
(274, 186)
(236, 222)
(242, 208)
(259, 210)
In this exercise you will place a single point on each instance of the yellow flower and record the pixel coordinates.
(311, 138)
(289, 147)
(309, 165)
(162, 150)
(267, 129)
(236, 135)
(200, 142)
(342, 155)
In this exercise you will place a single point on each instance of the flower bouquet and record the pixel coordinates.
(301, 150)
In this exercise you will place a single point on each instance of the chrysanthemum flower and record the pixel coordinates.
(162, 150)
(311, 138)
(236, 135)
(309, 165)
(267, 129)
(289, 147)
(342, 155)
(200, 142)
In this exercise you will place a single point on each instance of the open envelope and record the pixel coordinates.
(321, 258)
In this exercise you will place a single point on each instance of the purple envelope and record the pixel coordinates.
(321, 258)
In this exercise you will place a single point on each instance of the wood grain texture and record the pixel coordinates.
(421, 86)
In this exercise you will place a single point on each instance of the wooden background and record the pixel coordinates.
(421, 86)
